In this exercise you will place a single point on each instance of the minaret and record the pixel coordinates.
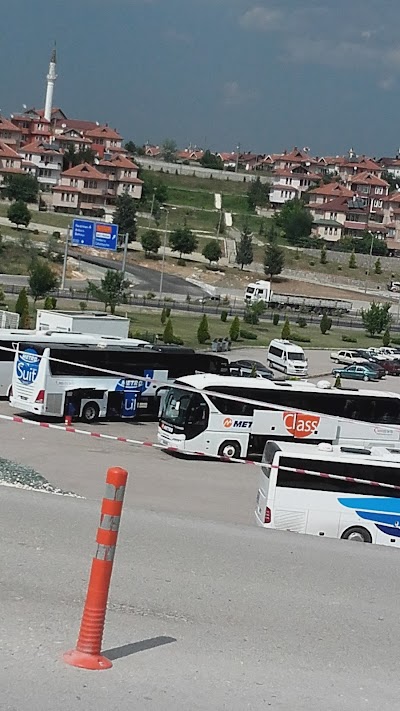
(51, 78)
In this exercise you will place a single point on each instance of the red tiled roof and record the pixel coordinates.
(76, 124)
(367, 164)
(6, 125)
(339, 204)
(119, 161)
(333, 189)
(103, 132)
(367, 178)
(395, 197)
(7, 152)
(37, 147)
(85, 171)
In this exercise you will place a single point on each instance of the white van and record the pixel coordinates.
(286, 356)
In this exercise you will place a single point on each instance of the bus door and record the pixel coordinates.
(130, 390)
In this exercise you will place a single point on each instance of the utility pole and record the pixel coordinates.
(237, 157)
(369, 263)
(152, 206)
(123, 266)
(64, 271)
(163, 254)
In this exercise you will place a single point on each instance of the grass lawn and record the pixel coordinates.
(43, 218)
(185, 326)
(214, 185)
(14, 259)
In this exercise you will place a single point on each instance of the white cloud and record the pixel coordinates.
(387, 83)
(261, 18)
(235, 95)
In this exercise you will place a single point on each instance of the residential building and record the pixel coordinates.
(327, 192)
(10, 134)
(345, 217)
(352, 168)
(229, 160)
(193, 155)
(122, 175)
(152, 151)
(47, 162)
(71, 137)
(32, 125)
(370, 187)
(10, 162)
(104, 139)
(391, 165)
(293, 159)
(289, 184)
(82, 189)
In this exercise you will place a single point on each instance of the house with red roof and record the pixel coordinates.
(152, 151)
(82, 189)
(122, 175)
(33, 126)
(327, 192)
(370, 187)
(193, 155)
(345, 217)
(291, 183)
(10, 134)
(71, 137)
(294, 158)
(10, 162)
(104, 139)
(46, 160)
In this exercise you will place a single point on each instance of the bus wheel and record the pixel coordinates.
(90, 412)
(229, 449)
(357, 533)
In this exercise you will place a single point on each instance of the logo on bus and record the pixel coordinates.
(228, 422)
(301, 425)
(27, 366)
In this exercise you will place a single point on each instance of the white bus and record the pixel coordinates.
(200, 421)
(10, 338)
(62, 379)
(293, 496)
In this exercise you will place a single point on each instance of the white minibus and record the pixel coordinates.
(331, 491)
(287, 357)
(207, 413)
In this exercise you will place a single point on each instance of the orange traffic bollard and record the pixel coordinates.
(68, 420)
(87, 654)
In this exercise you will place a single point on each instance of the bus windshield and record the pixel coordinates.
(176, 406)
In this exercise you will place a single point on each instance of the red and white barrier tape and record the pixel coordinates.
(154, 445)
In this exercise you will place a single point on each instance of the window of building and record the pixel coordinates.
(378, 191)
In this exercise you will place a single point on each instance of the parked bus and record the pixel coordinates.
(293, 496)
(10, 338)
(63, 379)
(226, 426)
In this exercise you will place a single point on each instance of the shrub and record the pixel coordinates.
(349, 339)
(83, 305)
(301, 321)
(48, 303)
(323, 257)
(325, 323)
(203, 333)
(168, 335)
(150, 295)
(378, 266)
(234, 330)
(167, 311)
(249, 335)
(275, 319)
(163, 316)
(300, 339)
(35, 232)
(56, 234)
(396, 341)
(181, 262)
(224, 316)
(352, 261)
(312, 263)
(386, 338)
(286, 329)
(339, 267)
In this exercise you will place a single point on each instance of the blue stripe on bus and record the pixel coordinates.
(389, 530)
(378, 517)
(376, 503)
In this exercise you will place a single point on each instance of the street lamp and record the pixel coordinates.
(369, 262)
(167, 211)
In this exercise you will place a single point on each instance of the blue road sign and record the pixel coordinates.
(87, 233)
(105, 236)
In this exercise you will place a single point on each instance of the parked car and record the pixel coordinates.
(245, 368)
(356, 372)
(378, 366)
(391, 367)
(347, 357)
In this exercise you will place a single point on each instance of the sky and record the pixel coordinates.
(265, 74)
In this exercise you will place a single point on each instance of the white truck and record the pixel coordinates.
(261, 291)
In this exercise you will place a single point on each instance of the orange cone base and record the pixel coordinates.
(86, 661)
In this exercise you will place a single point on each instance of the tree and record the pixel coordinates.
(244, 250)
(258, 194)
(203, 334)
(182, 240)
(163, 316)
(352, 261)
(378, 266)
(151, 242)
(391, 179)
(386, 338)
(211, 160)
(42, 280)
(111, 290)
(234, 330)
(130, 146)
(51, 245)
(168, 335)
(22, 302)
(72, 157)
(21, 186)
(169, 150)
(212, 251)
(377, 318)
(25, 319)
(153, 186)
(19, 214)
(296, 221)
(252, 313)
(324, 257)
(286, 329)
(125, 216)
(48, 303)
(325, 324)
(272, 233)
(274, 260)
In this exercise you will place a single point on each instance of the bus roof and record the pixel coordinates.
(206, 380)
(37, 336)
(326, 451)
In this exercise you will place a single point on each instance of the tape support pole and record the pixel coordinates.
(87, 654)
